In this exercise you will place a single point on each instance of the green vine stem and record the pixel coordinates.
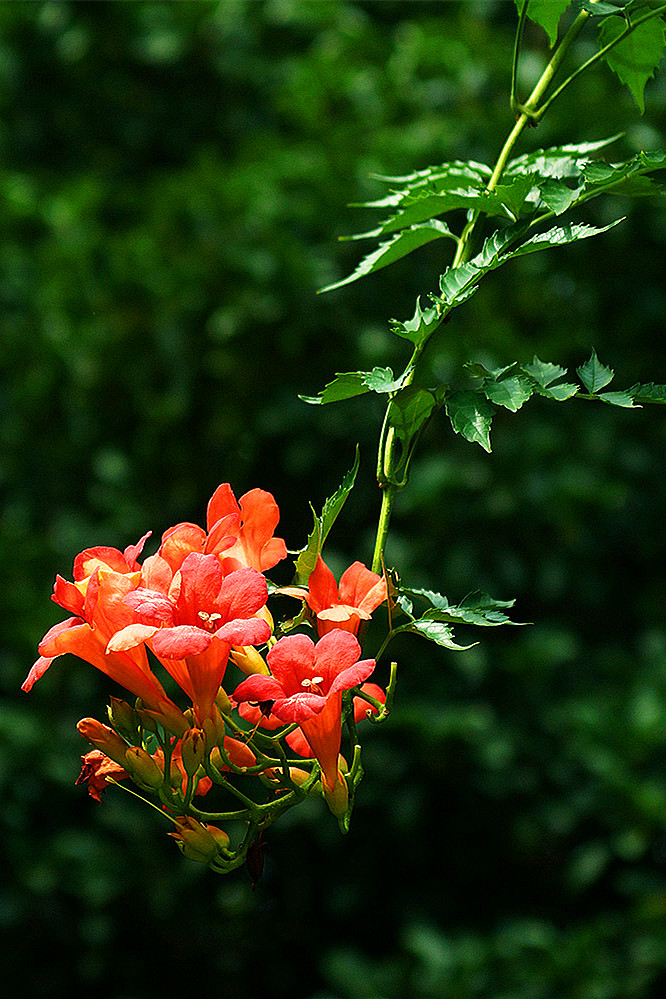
(529, 112)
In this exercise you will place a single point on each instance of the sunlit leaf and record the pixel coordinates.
(471, 415)
(601, 8)
(348, 384)
(436, 631)
(557, 161)
(635, 58)
(307, 557)
(409, 410)
(623, 399)
(595, 375)
(420, 326)
(511, 393)
(477, 608)
(545, 375)
(394, 249)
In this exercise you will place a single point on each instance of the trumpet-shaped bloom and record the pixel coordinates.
(103, 613)
(239, 532)
(192, 618)
(257, 515)
(305, 687)
(252, 713)
(359, 593)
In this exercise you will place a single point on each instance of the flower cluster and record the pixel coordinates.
(168, 628)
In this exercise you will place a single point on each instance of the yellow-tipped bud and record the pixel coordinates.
(193, 750)
(337, 797)
(249, 660)
(143, 768)
(213, 727)
(196, 841)
(298, 776)
(222, 702)
(123, 718)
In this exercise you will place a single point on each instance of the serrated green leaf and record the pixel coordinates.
(557, 161)
(543, 372)
(558, 196)
(394, 249)
(348, 384)
(471, 415)
(635, 58)
(435, 631)
(546, 13)
(648, 393)
(307, 557)
(451, 173)
(477, 608)
(595, 375)
(458, 283)
(422, 324)
(560, 392)
(623, 399)
(511, 393)
(559, 236)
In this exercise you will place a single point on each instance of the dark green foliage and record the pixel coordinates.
(173, 180)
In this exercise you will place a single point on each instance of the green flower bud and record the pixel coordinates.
(193, 750)
(141, 766)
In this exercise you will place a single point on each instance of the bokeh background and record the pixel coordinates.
(173, 180)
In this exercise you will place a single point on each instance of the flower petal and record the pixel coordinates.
(356, 583)
(179, 541)
(90, 559)
(132, 552)
(183, 640)
(201, 580)
(130, 637)
(353, 675)
(152, 606)
(323, 590)
(259, 688)
(335, 652)
(245, 631)
(299, 707)
(241, 594)
(291, 660)
(221, 504)
(38, 670)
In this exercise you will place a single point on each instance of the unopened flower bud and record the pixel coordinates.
(196, 841)
(249, 660)
(146, 717)
(336, 797)
(123, 718)
(213, 727)
(143, 768)
(103, 738)
(193, 749)
(298, 776)
(222, 701)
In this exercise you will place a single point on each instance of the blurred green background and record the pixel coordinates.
(173, 180)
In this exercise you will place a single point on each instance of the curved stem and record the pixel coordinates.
(388, 495)
(601, 54)
(529, 111)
